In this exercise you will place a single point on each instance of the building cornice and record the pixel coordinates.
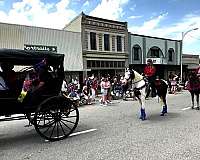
(103, 20)
(154, 37)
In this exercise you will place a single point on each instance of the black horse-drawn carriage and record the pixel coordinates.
(54, 116)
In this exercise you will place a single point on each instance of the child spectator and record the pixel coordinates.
(87, 95)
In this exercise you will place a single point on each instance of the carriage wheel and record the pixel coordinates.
(30, 117)
(56, 118)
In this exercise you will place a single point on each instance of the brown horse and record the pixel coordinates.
(193, 85)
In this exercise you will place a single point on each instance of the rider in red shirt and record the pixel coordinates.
(149, 72)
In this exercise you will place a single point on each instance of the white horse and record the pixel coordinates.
(139, 86)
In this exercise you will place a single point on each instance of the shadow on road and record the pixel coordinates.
(8, 140)
(30, 136)
(167, 117)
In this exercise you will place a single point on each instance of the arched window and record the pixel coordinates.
(154, 52)
(170, 55)
(136, 52)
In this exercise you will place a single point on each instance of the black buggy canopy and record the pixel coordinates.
(22, 57)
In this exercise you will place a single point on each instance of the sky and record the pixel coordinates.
(159, 18)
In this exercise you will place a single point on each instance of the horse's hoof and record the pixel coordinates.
(143, 119)
(162, 114)
(197, 108)
(164, 111)
(143, 114)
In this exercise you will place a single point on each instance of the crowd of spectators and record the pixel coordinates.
(93, 87)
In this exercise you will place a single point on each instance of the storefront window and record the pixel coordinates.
(98, 64)
(106, 42)
(93, 41)
(170, 55)
(88, 64)
(119, 43)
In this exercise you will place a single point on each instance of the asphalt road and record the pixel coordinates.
(117, 134)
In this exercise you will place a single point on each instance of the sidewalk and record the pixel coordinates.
(97, 103)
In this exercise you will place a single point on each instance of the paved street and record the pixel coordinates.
(117, 134)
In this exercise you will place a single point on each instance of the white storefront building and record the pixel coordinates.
(35, 38)
(165, 53)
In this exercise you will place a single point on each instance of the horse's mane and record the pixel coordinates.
(132, 74)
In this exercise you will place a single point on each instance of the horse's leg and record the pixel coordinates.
(148, 90)
(192, 97)
(197, 99)
(141, 99)
(125, 87)
(162, 93)
(164, 104)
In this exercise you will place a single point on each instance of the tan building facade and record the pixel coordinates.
(104, 44)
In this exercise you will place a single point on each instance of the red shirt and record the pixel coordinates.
(149, 71)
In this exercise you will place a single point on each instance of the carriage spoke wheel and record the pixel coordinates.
(56, 122)
(44, 121)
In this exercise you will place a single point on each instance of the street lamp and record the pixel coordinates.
(181, 54)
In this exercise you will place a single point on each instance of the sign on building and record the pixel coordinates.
(157, 60)
(40, 48)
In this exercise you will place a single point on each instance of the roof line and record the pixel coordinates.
(73, 20)
(154, 37)
(13, 24)
(98, 18)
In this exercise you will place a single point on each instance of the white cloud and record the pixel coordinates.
(37, 13)
(109, 9)
(133, 8)
(172, 31)
(62, 5)
(148, 26)
(135, 17)
(86, 4)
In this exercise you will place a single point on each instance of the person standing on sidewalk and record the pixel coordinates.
(95, 86)
(109, 85)
(104, 89)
